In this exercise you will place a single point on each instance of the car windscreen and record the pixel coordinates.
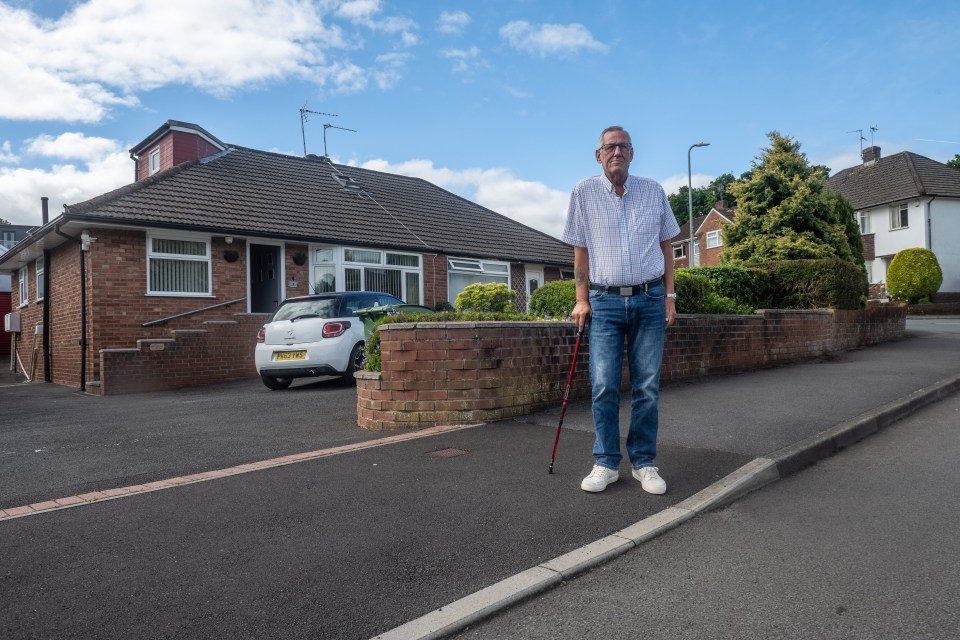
(323, 308)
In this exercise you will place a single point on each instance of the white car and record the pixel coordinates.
(317, 335)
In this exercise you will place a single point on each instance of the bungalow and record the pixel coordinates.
(905, 201)
(10, 234)
(170, 277)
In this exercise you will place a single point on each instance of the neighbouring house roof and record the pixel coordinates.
(901, 176)
(247, 192)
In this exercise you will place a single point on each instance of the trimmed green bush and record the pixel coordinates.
(746, 285)
(554, 299)
(695, 295)
(828, 283)
(486, 296)
(914, 274)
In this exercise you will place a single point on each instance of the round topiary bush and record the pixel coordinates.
(554, 299)
(480, 296)
(914, 274)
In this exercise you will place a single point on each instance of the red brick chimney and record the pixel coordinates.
(172, 144)
(871, 155)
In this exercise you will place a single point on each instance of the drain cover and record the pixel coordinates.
(447, 452)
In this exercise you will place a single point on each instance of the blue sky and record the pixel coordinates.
(500, 101)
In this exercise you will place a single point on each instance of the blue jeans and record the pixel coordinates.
(641, 320)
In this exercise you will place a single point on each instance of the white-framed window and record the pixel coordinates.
(8, 239)
(714, 239)
(41, 280)
(354, 269)
(679, 251)
(864, 222)
(155, 161)
(462, 272)
(24, 286)
(566, 274)
(869, 268)
(178, 265)
(898, 216)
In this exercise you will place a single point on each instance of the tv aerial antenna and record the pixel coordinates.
(304, 118)
(327, 125)
(873, 129)
(862, 139)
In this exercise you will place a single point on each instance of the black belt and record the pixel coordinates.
(629, 291)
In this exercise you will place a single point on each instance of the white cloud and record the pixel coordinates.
(101, 53)
(6, 154)
(531, 203)
(390, 69)
(549, 39)
(452, 22)
(366, 13)
(673, 183)
(102, 165)
(465, 60)
(73, 146)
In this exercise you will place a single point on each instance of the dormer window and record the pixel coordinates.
(155, 161)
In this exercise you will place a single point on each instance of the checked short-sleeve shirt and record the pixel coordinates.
(622, 235)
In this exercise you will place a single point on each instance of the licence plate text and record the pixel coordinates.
(290, 355)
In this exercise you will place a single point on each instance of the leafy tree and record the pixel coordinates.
(955, 163)
(785, 213)
(4, 221)
(703, 198)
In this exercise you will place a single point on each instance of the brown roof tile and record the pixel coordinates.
(249, 192)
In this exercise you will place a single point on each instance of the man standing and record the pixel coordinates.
(620, 227)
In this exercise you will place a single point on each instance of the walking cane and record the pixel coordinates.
(566, 395)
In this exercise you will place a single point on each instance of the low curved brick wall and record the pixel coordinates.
(442, 373)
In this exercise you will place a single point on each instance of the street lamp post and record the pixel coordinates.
(690, 198)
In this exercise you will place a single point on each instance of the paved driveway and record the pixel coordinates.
(56, 442)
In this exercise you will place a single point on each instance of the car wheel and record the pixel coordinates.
(275, 383)
(357, 361)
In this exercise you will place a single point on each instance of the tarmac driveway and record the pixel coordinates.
(55, 441)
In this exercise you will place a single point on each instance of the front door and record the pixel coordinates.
(265, 278)
(534, 280)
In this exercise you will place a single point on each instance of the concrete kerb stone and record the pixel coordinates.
(477, 606)
(755, 474)
(795, 457)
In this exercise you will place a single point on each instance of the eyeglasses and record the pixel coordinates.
(623, 146)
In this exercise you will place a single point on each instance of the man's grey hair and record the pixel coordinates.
(608, 130)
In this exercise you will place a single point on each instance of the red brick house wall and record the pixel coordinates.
(710, 257)
(175, 147)
(6, 306)
(434, 280)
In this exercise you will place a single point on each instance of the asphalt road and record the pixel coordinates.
(56, 442)
(862, 545)
(356, 544)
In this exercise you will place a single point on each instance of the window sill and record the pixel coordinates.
(150, 294)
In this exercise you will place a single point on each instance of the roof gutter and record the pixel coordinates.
(45, 217)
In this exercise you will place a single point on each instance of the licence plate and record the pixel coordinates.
(290, 355)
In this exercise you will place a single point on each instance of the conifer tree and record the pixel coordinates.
(784, 211)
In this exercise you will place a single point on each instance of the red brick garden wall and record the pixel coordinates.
(216, 351)
(469, 372)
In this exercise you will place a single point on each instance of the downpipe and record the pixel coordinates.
(84, 247)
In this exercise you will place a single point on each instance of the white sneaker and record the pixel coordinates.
(599, 478)
(650, 480)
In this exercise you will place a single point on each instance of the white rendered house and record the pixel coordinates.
(905, 201)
